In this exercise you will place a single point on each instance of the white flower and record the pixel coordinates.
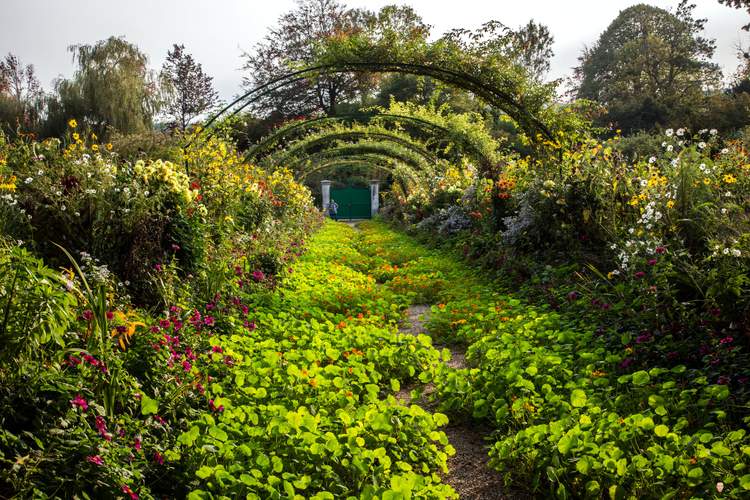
(675, 162)
(644, 183)
(63, 208)
(146, 193)
(728, 194)
(670, 148)
(58, 193)
(669, 132)
(680, 132)
(615, 273)
(723, 210)
(40, 172)
(725, 251)
(29, 180)
(78, 214)
(713, 131)
(631, 230)
(652, 159)
(736, 252)
(701, 145)
(724, 151)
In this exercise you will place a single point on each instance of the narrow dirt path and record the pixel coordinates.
(469, 473)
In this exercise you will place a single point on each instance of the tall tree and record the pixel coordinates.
(649, 67)
(112, 87)
(529, 46)
(188, 91)
(293, 44)
(21, 95)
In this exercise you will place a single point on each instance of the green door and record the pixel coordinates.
(354, 203)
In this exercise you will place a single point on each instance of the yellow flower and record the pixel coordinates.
(72, 123)
(730, 179)
(93, 136)
(109, 146)
(94, 147)
(706, 181)
(670, 203)
(76, 137)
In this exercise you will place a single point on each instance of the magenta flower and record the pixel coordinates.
(259, 275)
(137, 443)
(95, 459)
(101, 426)
(651, 262)
(217, 348)
(157, 267)
(186, 365)
(158, 458)
(126, 489)
(726, 340)
(110, 315)
(74, 360)
(88, 314)
(164, 323)
(640, 274)
(79, 402)
(209, 321)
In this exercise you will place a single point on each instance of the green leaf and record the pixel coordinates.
(148, 406)
(578, 398)
(695, 473)
(661, 430)
(641, 378)
(745, 482)
(204, 472)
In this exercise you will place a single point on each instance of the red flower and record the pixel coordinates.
(660, 250)
(79, 402)
(110, 315)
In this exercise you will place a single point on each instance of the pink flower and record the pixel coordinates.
(726, 340)
(209, 321)
(217, 348)
(79, 402)
(651, 262)
(101, 426)
(186, 365)
(640, 274)
(137, 444)
(175, 248)
(95, 459)
(157, 267)
(126, 489)
(259, 275)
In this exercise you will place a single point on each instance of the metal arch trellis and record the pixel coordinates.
(365, 135)
(361, 149)
(343, 162)
(493, 96)
(273, 139)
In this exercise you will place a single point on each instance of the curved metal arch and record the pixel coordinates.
(278, 135)
(496, 97)
(359, 149)
(411, 173)
(364, 135)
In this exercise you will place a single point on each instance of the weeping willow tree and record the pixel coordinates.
(112, 87)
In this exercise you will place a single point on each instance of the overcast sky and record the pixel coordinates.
(217, 32)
